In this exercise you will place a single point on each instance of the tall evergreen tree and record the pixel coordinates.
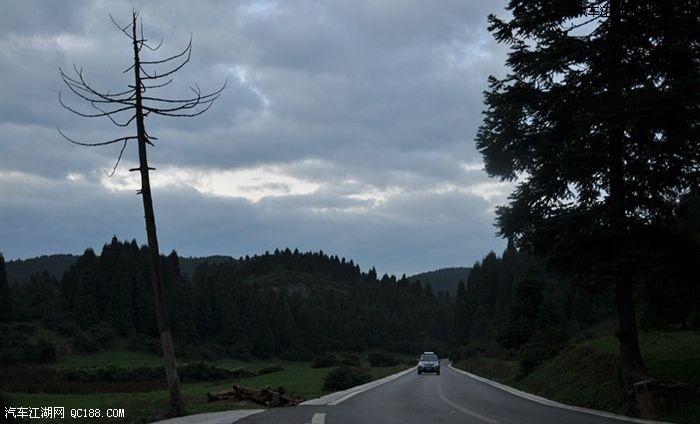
(5, 295)
(461, 323)
(598, 123)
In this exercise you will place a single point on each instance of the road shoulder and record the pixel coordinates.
(549, 402)
(224, 417)
(343, 395)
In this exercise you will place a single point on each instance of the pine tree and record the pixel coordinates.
(461, 320)
(5, 295)
(598, 123)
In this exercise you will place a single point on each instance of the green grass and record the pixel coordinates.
(585, 374)
(671, 355)
(491, 368)
(139, 407)
(112, 357)
(298, 379)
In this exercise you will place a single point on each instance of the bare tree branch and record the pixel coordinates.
(156, 47)
(101, 143)
(155, 62)
(92, 115)
(196, 91)
(157, 85)
(177, 68)
(122, 29)
(110, 174)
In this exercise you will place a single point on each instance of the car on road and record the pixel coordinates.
(428, 362)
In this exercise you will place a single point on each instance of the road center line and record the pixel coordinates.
(442, 397)
(319, 418)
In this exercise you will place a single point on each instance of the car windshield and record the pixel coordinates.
(428, 358)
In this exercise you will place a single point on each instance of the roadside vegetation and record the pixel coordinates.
(119, 378)
(585, 373)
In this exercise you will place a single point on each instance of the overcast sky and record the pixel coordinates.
(346, 126)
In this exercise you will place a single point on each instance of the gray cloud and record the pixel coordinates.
(373, 103)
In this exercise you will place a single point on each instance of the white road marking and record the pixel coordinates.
(338, 397)
(463, 409)
(319, 418)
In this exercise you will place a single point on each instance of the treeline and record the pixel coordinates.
(517, 307)
(514, 304)
(286, 304)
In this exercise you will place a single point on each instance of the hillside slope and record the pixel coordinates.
(445, 279)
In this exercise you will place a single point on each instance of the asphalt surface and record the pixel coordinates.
(451, 397)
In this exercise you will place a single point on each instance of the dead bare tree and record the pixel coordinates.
(124, 109)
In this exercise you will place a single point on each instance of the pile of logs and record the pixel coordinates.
(267, 397)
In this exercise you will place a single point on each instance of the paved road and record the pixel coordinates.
(451, 397)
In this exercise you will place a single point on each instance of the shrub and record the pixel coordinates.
(138, 342)
(538, 350)
(68, 328)
(240, 351)
(382, 359)
(324, 361)
(270, 369)
(202, 371)
(349, 359)
(43, 351)
(102, 333)
(239, 373)
(10, 356)
(345, 377)
(82, 342)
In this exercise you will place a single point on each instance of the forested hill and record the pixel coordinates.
(189, 264)
(285, 304)
(445, 279)
(19, 270)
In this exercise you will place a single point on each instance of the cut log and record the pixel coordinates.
(266, 396)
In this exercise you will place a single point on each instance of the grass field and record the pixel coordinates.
(298, 378)
(585, 374)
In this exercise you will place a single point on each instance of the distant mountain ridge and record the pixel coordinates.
(19, 270)
(444, 279)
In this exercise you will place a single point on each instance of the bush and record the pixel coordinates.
(467, 352)
(324, 361)
(382, 359)
(239, 373)
(349, 359)
(112, 373)
(102, 333)
(18, 327)
(538, 350)
(138, 342)
(196, 371)
(82, 342)
(201, 371)
(11, 356)
(270, 369)
(345, 377)
(43, 351)
(68, 328)
(240, 351)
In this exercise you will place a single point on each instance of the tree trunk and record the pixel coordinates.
(632, 368)
(177, 406)
(631, 364)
